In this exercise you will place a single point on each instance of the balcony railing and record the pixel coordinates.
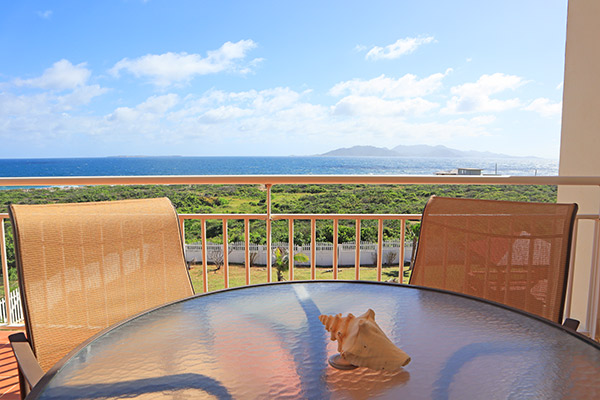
(593, 300)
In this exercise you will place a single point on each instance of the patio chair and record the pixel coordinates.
(514, 253)
(83, 267)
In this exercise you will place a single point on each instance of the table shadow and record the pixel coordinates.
(441, 387)
(162, 384)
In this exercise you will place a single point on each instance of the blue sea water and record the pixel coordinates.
(112, 166)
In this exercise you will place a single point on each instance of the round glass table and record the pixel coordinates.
(266, 342)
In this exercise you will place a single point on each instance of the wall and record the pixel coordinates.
(323, 253)
(580, 136)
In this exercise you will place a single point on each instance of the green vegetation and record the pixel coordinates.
(281, 261)
(321, 199)
(305, 199)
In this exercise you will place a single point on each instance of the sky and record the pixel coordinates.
(274, 78)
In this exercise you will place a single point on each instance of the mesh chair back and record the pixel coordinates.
(513, 253)
(83, 267)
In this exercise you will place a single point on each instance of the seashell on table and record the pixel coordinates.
(362, 343)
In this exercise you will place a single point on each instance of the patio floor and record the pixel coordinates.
(9, 379)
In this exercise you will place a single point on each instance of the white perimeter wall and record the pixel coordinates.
(324, 253)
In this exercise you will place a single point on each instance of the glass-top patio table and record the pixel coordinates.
(266, 342)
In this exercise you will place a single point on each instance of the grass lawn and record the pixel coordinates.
(237, 275)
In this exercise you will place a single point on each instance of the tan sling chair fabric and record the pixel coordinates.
(83, 267)
(514, 253)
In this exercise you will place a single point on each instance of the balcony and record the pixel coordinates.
(580, 304)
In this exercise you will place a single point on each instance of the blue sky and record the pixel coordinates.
(201, 78)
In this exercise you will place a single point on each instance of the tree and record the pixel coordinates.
(390, 258)
(282, 263)
(253, 256)
(412, 233)
(217, 256)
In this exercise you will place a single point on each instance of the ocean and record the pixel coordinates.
(112, 166)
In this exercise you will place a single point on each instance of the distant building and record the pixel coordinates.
(461, 171)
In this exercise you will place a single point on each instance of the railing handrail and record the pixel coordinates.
(300, 216)
(300, 179)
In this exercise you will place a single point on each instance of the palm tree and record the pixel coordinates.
(412, 233)
(282, 263)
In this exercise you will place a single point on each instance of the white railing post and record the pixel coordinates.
(16, 310)
(2, 310)
(7, 302)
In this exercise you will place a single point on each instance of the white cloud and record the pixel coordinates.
(437, 131)
(378, 111)
(224, 113)
(45, 14)
(544, 107)
(169, 68)
(159, 104)
(372, 106)
(154, 108)
(252, 116)
(80, 96)
(47, 116)
(61, 76)
(272, 100)
(475, 96)
(254, 121)
(281, 115)
(23, 106)
(397, 49)
(13, 106)
(124, 114)
(407, 86)
(221, 105)
(45, 119)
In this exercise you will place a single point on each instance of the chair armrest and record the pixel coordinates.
(28, 364)
(571, 324)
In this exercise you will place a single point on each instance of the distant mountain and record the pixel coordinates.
(420, 150)
(362, 151)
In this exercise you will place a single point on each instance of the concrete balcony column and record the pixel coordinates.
(580, 141)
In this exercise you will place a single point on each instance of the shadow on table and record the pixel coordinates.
(162, 384)
(441, 388)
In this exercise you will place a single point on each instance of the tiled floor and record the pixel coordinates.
(9, 380)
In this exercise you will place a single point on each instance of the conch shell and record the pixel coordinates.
(361, 342)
